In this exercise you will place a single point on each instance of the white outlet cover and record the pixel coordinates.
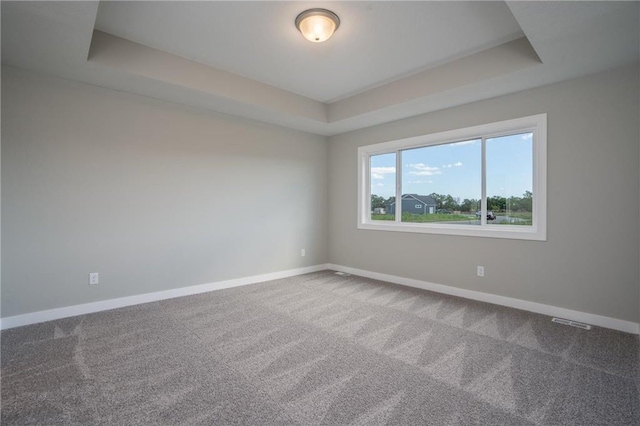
(94, 278)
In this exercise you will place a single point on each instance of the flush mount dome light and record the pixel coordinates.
(317, 25)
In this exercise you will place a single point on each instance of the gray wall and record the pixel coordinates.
(154, 196)
(151, 195)
(590, 260)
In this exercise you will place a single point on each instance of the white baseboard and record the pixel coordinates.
(598, 320)
(87, 308)
(104, 305)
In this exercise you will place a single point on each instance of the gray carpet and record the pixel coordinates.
(317, 349)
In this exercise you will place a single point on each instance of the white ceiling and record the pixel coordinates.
(258, 40)
(388, 60)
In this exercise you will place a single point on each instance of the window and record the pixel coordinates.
(487, 181)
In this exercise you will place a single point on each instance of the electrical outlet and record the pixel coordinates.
(303, 253)
(481, 271)
(93, 278)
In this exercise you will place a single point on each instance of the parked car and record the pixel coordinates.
(443, 211)
(490, 215)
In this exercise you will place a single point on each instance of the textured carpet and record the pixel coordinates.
(317, 349)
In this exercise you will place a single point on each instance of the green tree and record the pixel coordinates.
(497, 203)
(377, 201)
(514, 204)
(527, 201)
(451, 203)
(439, 199)
(469, 205)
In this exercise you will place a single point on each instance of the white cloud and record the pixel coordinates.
(425, 173)
(422, 169)
(379, 172)
(420, 181)
(472, 142)
(527, 136)
(379, 184)
(450, 165)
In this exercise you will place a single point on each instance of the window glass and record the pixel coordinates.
(509, 162)
(383, 186)
(446, 181)
(487, 180)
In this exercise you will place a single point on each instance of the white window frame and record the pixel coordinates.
(536, 124)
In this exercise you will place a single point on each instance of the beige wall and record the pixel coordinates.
(151, 195)
(589, 262)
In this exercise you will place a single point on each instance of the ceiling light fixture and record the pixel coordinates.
(317, 25)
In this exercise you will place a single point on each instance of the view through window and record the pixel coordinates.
(489, 181)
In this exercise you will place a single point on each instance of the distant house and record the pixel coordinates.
(414, 203)
(379, 210)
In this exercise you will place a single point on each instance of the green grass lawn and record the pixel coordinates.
(520, 215)
(525, 218)
(423, 218)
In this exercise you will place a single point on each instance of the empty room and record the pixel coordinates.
(320, 213)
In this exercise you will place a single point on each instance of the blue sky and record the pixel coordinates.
(456, 169)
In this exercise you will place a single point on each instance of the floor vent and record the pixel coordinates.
(572, 323)
(343, 274)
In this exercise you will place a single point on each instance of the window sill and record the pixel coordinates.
(512, 232)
